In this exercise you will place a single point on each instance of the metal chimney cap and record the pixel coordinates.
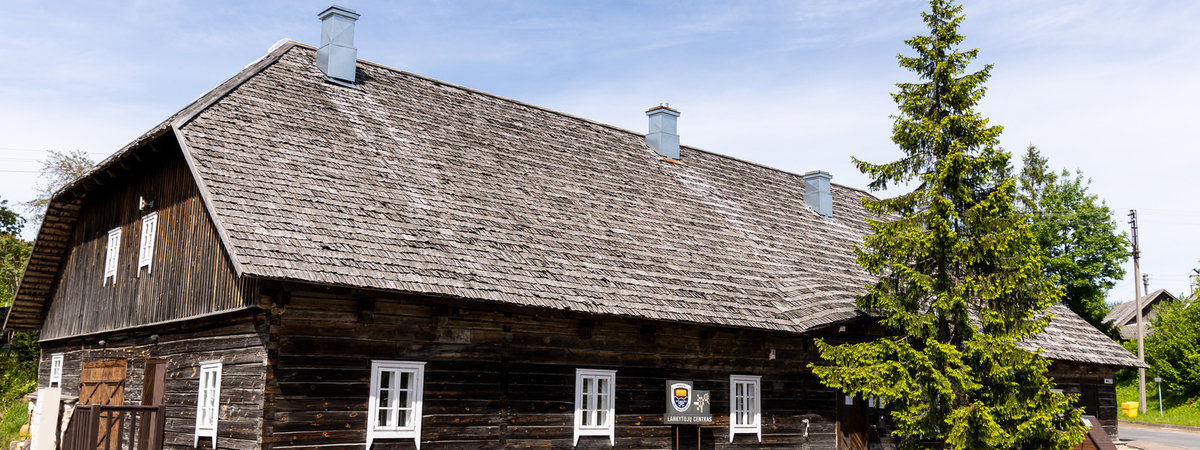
(663, 108)
(818, 174)
(341, 11)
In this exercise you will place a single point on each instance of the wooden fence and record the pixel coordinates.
(104, 427)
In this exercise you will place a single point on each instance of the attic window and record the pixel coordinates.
(110, 257)
(146, 249)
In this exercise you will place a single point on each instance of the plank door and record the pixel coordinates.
(851, 423)
(1089, 399)
(153, 387)
(153, 394)
(103, 383)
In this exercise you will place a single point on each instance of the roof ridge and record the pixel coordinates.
(186, 113)
(572, 116)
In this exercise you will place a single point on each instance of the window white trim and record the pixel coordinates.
(146, 248)
(595, 404)
(394, 430)
(56, 368)
(745, 405)
(112, 252)
(208, 402)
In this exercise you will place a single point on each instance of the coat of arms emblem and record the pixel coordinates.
(681, 397)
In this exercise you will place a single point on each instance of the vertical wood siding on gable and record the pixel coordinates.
(191, 276)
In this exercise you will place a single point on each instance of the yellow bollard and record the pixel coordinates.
(1130, 409)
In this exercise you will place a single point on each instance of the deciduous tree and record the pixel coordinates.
(1078, 235)
(13, 252)
(58, 169)
(1173, 350)
(960, 274)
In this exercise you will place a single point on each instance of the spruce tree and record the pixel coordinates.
(960, 274)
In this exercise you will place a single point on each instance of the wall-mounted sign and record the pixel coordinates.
(1108, 381)
(686, 406)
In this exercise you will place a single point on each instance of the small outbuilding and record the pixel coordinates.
(1124, 314)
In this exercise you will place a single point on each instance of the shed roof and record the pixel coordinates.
(411, 184)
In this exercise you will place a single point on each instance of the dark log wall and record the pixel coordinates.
(191, 276)
(500, 378)
(238, 341)
(1087, 380)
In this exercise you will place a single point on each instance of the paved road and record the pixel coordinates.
(1161, 436)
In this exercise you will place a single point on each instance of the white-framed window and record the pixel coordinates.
(208, 403)
(595, 404)
(394, 410)
(745, 415)
(146, 248)
(112, 251)
(56, 366)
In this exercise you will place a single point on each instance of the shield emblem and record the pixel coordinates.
(681, 396)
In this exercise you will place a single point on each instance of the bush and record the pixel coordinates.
(1173, 350)
(19, 368)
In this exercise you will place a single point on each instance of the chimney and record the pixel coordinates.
(337, 56)
(817, 194)
(663, 137)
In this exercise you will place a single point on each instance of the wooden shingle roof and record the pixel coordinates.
(411, 184)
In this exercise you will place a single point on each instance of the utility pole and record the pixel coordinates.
(1146, 283)
(1137, 273)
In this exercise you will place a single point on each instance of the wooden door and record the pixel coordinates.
(153, 387)
(103, 383)
(153, 393)
(1089, 399)
(851, 423)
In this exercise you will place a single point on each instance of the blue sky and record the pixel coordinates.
(1108, 87)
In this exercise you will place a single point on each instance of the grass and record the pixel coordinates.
(11, 420)
(18, 376)
(1175, 410)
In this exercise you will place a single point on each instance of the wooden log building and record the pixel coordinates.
(308, 259)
